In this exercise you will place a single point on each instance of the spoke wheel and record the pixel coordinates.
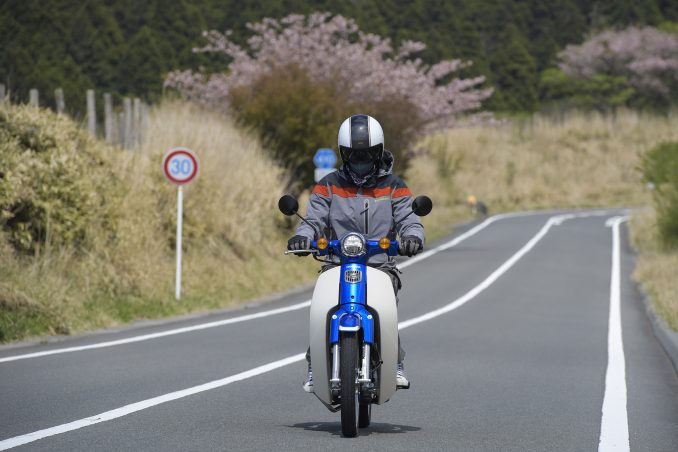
(349, 394)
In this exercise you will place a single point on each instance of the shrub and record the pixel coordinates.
(660, 168)
(345, 71)
(296, 115)
(56, 182)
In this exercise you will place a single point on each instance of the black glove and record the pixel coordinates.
(410, 245)
(299, 242)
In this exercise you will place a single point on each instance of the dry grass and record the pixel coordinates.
(656, 267)
(583, 160)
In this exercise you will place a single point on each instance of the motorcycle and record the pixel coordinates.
(353, 329)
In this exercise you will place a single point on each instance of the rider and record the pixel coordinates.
(363, 196)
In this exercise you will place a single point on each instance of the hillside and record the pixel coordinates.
(127, 47)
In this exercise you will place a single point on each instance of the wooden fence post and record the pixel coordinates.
(91, 113)
(136, 118)
(121, 129)
(34, 97)
(127, 110)
(108, 117)
(59, 99)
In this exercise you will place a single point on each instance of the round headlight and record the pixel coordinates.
(353, 245)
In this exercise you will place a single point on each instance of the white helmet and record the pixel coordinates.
(361, 145)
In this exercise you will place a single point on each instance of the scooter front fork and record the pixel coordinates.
(363, 377)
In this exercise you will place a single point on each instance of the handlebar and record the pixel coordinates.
(334, 248)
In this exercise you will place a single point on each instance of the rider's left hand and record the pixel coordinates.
(410, 245)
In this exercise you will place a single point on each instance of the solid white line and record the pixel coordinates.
(147, 337)
(614, 424)
(244, 318)
(144, 404)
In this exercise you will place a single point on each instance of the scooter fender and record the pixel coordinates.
(325, 301)
(381, 299)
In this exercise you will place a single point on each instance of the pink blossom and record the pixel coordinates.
(333, 48)
(646, 56)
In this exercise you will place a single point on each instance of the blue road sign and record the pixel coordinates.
(325, 158)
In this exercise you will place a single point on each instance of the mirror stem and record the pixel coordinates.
(317, 233)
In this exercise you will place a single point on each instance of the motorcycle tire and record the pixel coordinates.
(348, 366)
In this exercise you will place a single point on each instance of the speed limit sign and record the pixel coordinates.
(180, 165)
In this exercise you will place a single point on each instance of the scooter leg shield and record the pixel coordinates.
(325, 299)
(381, 299)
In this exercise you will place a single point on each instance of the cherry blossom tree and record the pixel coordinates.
(646, 57)
(366, 67)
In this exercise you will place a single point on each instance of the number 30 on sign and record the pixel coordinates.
(180, 166)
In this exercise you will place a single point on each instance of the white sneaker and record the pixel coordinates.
(308, 385)
(401, 377)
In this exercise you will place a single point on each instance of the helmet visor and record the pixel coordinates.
(371, 154)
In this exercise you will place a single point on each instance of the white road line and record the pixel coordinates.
(244, 318)
(614, 424)
(144, 404)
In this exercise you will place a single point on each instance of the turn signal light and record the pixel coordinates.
(322, 243)
(384, 243)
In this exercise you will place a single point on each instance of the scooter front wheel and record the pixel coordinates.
(348, 366)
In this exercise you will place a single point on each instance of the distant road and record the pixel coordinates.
(524, 333)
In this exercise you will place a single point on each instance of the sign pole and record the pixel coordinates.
(180, 221)
(180, 166)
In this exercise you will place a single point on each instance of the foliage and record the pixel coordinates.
(601, 92)
(645, 57)
(298, 77)
(56, 183)
(660, 168)
(126, 47)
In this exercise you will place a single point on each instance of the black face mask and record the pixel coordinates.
(361, 169)
(362, 162)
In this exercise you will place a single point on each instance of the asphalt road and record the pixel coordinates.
(510, 346)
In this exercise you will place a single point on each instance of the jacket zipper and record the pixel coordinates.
(367, 214)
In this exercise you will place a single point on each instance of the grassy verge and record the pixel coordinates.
(656, 267)
(233, 235)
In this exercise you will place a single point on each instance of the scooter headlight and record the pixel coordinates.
(353, 245)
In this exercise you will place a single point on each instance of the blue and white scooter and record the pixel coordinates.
(354, 323)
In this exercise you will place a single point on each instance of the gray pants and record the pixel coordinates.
(395, 279)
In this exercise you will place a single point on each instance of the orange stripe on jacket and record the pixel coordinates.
(321, 190)
(401, 192)
(352, 192)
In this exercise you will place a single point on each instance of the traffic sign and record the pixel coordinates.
(325, 158)
(180, 165)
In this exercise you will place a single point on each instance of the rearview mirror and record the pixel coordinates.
(422, 205)
(288, 205)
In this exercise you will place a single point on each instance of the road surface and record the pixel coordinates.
(523, 332)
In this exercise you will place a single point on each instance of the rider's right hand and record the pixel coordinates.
(299, 242)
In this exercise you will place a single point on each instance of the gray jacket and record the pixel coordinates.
(377, 208)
